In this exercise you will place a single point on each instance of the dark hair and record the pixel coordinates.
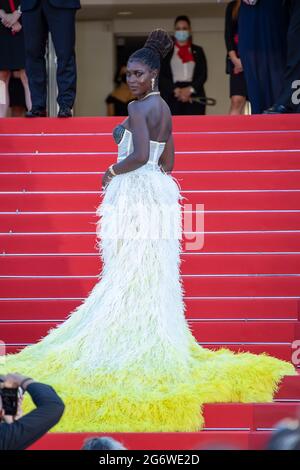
(182, 18)
(157, 46)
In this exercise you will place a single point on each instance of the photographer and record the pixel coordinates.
(18, 433)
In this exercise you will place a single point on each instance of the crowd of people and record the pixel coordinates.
(263, 59)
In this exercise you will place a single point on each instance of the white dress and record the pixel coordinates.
(125, 359)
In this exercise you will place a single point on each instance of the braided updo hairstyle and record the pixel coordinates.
(157, 46)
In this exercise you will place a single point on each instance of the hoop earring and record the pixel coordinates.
(152, 83)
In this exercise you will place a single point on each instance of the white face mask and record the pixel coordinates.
(182, 35)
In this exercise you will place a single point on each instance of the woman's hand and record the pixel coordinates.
(183, 94)
(238, 67)
(4, 18)
(9, 19)
(16, 27)
(107, 177)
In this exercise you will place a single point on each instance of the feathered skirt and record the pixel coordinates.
(125, 359)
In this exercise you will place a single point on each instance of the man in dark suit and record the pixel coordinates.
(183, 72)
(38, 18)
(23, 432)
(289, 99)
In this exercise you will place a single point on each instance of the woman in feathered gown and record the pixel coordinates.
(125, 359)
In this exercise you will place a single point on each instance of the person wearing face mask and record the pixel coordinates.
(184, 72)
(118, 100)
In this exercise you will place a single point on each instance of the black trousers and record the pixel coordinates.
(61, 24)
(289, 95)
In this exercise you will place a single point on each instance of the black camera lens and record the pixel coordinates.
(9, 398)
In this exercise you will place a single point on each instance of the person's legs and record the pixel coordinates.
(292, 73)
(237, 105)
(35, 34)
(4, 78)
(62, 27)
(21, 74)
(16, 96)
(262, 48)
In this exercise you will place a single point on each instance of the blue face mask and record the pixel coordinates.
(182, 35)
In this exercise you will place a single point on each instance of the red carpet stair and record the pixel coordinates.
(242, 286)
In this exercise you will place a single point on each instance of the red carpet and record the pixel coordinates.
(242, 287)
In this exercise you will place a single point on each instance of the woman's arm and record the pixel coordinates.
(110, 105)
(229, 30)
(110, 109)
(200, 71)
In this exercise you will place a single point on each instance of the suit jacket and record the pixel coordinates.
(27, 5)
(166, 83)
(28, 429)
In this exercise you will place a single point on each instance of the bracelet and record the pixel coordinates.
(24, 381)
(112, 170)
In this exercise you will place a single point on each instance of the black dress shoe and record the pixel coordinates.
(277, 109)
(64, 112)
(36, 112)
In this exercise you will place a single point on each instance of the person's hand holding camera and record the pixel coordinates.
(18, 432)
(9, 419)
(13, 382)
(16, 380)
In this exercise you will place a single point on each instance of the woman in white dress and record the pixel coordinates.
(125, 359)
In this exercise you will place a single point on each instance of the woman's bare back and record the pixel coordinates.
(159, 122)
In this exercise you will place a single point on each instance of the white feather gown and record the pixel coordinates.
(125, 359)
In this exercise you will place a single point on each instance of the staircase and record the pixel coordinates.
(242, 287)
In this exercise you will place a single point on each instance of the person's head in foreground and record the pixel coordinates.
(286, 436)
(102, 443)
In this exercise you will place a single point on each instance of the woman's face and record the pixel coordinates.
(182, 31)
(139, 78)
